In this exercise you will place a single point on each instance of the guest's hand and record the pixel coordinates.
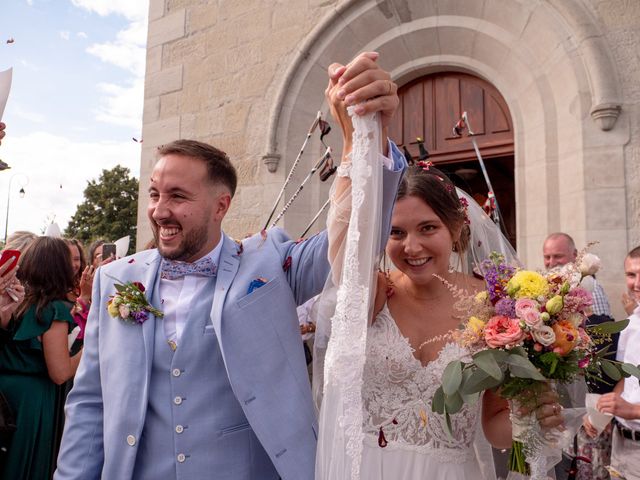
(613, 403)
(588, 427)
(363, 83)
(11, 296)
(2, 133)
(629, 303)
(86, 282)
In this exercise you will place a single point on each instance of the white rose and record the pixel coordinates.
(124, 311)
(589, 264)
(544, 335)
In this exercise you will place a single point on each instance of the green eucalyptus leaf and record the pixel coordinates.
(437, 403)
(518, 351)
(452, 377)
(631, 369)
(611, 370)
(471, 399)
(478, 381)
(609, 328)
(522, 368)
(453, 403)
(487, 360)
(449, 430)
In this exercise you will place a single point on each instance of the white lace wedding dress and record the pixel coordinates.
(404, 439)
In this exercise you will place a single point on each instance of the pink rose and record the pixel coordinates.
(502, 331)
(525, 304)
(531, 317)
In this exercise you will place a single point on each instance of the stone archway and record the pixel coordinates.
(548, 60)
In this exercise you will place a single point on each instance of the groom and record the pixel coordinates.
(218, 387)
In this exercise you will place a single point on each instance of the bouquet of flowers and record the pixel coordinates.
(527, 333)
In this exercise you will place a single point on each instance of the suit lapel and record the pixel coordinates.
(151, 281)
(229, 262)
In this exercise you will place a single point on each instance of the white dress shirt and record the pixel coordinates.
(629, 352)
(178, 294)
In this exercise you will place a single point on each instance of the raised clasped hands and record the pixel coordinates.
(362, 83)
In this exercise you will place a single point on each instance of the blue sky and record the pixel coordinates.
(75, 103)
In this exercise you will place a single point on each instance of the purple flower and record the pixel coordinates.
(506, 307)
(496, 275)
(139, 316)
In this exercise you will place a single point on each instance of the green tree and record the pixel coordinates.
(109, 209)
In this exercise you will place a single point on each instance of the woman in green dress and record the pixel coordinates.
(36, 358)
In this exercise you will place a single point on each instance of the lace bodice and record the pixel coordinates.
(397, 395)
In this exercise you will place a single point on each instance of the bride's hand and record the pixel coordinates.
(547, 410)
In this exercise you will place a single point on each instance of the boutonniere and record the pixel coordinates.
(131, 304)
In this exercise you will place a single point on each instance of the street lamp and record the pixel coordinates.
(21, 192)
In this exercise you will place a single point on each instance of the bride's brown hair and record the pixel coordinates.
(435, 189)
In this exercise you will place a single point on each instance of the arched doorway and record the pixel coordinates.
(429, 108)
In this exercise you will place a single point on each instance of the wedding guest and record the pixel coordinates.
(624, 401)
(20, 240)
(11, 295)
(36, 358)
(95, 252)
(558, 250)
(80, 296)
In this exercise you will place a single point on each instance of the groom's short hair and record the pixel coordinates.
(219, 167)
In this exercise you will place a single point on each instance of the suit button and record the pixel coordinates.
(181, 457)
(177, 400)
(131, 440)
(179, 429)
(176, 372)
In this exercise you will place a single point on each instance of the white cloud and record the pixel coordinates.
(81, 35)
(127, 51)
(64, 34)
(30, 2)
(122, 105)
(130, 9)
(28, 115)
(50, 161)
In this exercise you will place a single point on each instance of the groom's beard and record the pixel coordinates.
(188, 247)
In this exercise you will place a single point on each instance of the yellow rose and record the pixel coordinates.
(112, 308)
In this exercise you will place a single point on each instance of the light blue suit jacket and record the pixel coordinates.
(259, 338)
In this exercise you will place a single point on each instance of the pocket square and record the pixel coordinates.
(255, 284)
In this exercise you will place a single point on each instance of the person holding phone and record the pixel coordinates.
(36, 357)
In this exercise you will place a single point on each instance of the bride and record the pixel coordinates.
(379, 376)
